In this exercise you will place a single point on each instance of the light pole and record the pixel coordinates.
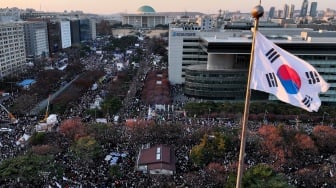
(265, 114)
(209, 115)
(324, 113)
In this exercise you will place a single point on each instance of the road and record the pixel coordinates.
(43, 104)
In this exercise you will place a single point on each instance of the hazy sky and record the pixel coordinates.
(130, 6)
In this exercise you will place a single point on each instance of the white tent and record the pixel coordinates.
(52, 119)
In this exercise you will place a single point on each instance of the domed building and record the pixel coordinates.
(145, 10)
(145, 17)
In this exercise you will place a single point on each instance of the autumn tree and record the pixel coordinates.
(73, 128)
(324, 137)
(304, 145)
(87, 148)
(273, 144)
(215, 174)
(210, 149)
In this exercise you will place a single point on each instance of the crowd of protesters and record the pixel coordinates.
(81, 174)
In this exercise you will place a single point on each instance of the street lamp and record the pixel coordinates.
(324, 113)
(209, 115)
(265, 114)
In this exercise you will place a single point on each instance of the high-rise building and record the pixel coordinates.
(65, 34)
(271, 12)
(313, 9)
(59, 35)
(304, 8)
(87, 29)
(36, 39)
(54, 36)
(291, 11)
(75, 33)
(286, 11)
(12, 49)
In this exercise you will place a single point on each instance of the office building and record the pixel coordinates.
(286, 11)
(313, 9)
(59, 35)
(304, 8)
(65, 34)
(214, 65)
(87, 29)
(75, 32)
(12, 49)
(291, 11)
(36, 39)
(271, 13)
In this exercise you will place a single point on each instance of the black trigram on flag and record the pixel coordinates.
(313, 77)
(271, 80)
(272, 55)
(307, 101)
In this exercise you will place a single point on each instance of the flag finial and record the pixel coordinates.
(257, 11)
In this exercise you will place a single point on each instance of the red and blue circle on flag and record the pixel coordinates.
(289, 78)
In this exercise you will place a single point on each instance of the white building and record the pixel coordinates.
(12, 49)
(65, 34)
(146, 17)
(36, 39)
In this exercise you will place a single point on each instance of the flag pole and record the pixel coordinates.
(257, 12)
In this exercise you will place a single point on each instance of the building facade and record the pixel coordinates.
(145, 17)
(219, 63)
(75, 32)
(87, 29)
(59, 33)
(54, 36)
(313, 9)
(36, 39)
(12, 49)
(65, 34)
(304, 8)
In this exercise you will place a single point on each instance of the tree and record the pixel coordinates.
(216, 174)
(258, 176)
(273, 143)
(37, 138)
(87, 149)
(111, 105)
(28, 169)
(44, 149)
(114, 171)
(324, 137)
(211, 149)
(73, 128)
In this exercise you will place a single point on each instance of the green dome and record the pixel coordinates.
(146, 9)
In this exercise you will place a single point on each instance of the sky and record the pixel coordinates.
(130, 6)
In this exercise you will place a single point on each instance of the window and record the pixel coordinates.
(158, 153)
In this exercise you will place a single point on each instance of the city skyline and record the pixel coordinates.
(130, 6)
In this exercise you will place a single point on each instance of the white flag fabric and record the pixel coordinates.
(289, 78)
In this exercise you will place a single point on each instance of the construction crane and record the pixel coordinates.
(44, 120)
(10, 115)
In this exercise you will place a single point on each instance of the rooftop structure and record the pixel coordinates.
(159, 159)
(145, 10)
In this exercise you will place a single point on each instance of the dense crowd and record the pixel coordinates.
(78, 173)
